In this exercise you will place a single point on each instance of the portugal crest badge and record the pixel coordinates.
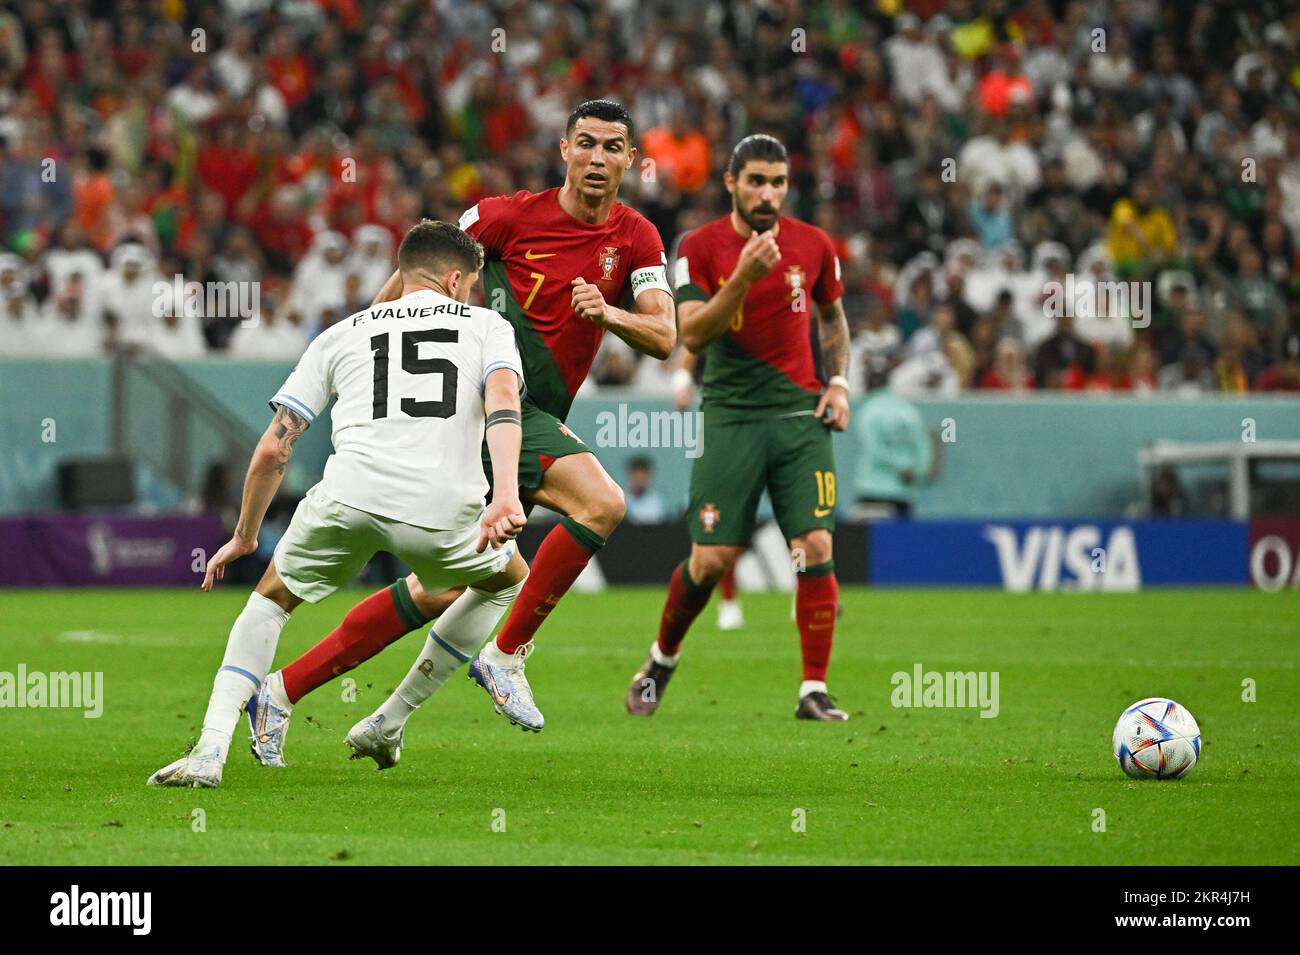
(709, 517)
(608, 262)
(794, 278)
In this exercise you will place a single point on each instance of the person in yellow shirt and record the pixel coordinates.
(1141, 235)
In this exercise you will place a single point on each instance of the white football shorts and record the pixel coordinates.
(328, 543)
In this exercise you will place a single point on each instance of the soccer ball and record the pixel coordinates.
(1156, 739)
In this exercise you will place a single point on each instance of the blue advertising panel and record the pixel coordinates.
(1066, 555)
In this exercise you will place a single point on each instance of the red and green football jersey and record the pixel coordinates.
(763, 364)
(534, 252)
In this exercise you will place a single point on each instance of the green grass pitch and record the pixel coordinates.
(716, 776)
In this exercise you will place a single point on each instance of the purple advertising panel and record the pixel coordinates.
(66, 550)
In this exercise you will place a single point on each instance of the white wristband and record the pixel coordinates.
(682, 379)
(838, 380)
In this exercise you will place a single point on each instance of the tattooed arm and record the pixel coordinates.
(265, 472)
(833, 332)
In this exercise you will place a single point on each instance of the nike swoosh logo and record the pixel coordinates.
(540, 255)
(496, 695)
(822, 511)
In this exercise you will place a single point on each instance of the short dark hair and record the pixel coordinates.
(759, 147)
(605, 109)
(439, 248)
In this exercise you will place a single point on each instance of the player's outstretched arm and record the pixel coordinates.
(651, 329)
(833, 333)
(504, 517)
(702, 322)
(265, 472)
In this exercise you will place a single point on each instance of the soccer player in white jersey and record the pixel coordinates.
(418, 382)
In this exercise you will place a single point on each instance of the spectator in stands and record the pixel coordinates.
(18, 328)
(1141, 234)
(1008, 371)
(1064, 361)
(1284, 374)
(319, 282)
(915, 309)
(1257, 297)
(178, 334)
(275, 334)
(680, 153)
(132, 306)
(371, 259)
(1005, 84)
(72, 326)
(303, 119)
(645, 505)
(876, 348)
(990, 217)
(1191, 331)
(1241, 359)
(1191, 375)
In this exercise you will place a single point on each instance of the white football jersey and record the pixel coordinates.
(409, 420)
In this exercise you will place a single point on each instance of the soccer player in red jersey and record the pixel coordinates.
(555, 261)
(746, 288)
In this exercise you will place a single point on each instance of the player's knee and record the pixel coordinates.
(273, 588)
(608, 506)
(431, 605)
(709, 564)
(815, 547)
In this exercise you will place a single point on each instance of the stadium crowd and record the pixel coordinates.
(963, 156)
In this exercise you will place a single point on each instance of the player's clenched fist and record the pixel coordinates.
(758, 257)
(588, 301)
(833, 408)
(502, 521)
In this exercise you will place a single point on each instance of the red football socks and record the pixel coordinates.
(380, 619)
(685, 600)
(565, 551)
(727, 585)
(815, 605)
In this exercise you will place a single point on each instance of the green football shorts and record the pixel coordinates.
(790, 456)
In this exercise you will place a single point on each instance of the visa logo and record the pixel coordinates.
(1060, 558)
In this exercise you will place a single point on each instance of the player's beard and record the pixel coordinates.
(752, 220)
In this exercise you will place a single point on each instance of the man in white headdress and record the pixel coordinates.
(1002, 268)
(319, 282)
(371, 259)
(277, 335)
(130, 302)
(18, 314)
(72, 324)
(74, 255)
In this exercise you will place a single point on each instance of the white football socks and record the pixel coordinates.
(664, 659)
(811, 686)
(455, 638)
(249, 653)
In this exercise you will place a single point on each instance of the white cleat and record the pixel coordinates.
(268, 719)
(194, 770)
(730, 615)
(367, 739)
